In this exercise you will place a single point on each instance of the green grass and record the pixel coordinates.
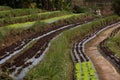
(52, 65)
(59, 18)
(32, 17)
(29, 24)
(114, 44)
(57, 64)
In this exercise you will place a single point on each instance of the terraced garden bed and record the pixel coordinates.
(110, 50)
(58, 55)
(31, 17)
(54, 28)
(25, 37)
(18, 30)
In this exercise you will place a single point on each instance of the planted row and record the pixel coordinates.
(30, 18)
(57, 61)
(85, 71)
(18, 12)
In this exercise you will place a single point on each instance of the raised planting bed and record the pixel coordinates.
(32, 17)
(110, 50)
(85, 71)
(78, 52)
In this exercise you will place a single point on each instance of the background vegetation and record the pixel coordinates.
(43, 4)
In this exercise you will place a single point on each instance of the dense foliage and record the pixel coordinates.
(43, 4)
(116, 7)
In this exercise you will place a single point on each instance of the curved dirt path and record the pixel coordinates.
(105, 69)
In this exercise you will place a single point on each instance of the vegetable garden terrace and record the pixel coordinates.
(59, 40)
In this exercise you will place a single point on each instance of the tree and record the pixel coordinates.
(116, 6)
(43, 4)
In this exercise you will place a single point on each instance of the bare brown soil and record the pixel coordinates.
(105, 69)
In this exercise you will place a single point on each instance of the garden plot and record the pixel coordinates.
(57, 59)
(37, 50)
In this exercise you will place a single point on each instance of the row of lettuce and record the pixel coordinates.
(85, 71)
(57, 64)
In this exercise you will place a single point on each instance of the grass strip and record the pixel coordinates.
(32, 17)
